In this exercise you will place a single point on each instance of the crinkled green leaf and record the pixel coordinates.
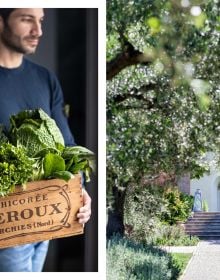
(35, 130)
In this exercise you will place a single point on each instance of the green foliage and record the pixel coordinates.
(15, 168)
(142, 210)
(64, 175)
(128, 260)
(37, 152)
(179, 206)
(146, 207)
(175, 235)
(162, 106)
(78, 159)
(52, 163)
(34, 130)
(43, 141)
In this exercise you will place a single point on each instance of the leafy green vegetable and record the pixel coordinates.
(38, 169)
(53, 163)
(65, 175)
(15, 168)
(43, 166)
(35, 130)
(42, 153)
(36, 151)
(78, 159)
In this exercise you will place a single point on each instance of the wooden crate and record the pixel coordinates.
(45, 210)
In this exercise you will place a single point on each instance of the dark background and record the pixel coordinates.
(69, 47)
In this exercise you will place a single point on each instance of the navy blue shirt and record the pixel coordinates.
(31, 86)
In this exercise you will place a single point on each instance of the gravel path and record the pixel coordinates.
(205, 263)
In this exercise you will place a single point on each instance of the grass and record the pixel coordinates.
(180, 261)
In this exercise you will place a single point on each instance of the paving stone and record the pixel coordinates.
(205, 263)
(179, 249)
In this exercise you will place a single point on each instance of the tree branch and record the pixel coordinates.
(135, 93)
(128, 57)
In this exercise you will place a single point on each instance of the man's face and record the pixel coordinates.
(22, 30)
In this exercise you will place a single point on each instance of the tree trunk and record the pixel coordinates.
(115, 217)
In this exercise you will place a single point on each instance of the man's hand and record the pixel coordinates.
(85, 211)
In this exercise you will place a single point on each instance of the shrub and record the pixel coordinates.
(174, 236)
(179, 206)
(129, 260)
(146, 207)
(142, 209)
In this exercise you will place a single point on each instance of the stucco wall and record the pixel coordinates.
(208, 186)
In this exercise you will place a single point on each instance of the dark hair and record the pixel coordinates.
(5, 13)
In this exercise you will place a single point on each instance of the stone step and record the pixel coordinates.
(207, 216)
(203, 219)
(205, 225)
(202, 226)
(203, 231)
(205, 222)
(217, 225)
(206, 213)
(207, 237)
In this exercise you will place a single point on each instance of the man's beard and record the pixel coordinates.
(14, 42)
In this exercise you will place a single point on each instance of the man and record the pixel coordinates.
(25, 85)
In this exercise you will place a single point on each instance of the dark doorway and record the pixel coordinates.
(75, 35)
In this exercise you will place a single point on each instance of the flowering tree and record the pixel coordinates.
(163, 93)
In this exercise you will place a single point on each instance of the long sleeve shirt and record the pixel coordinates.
(31, 86)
